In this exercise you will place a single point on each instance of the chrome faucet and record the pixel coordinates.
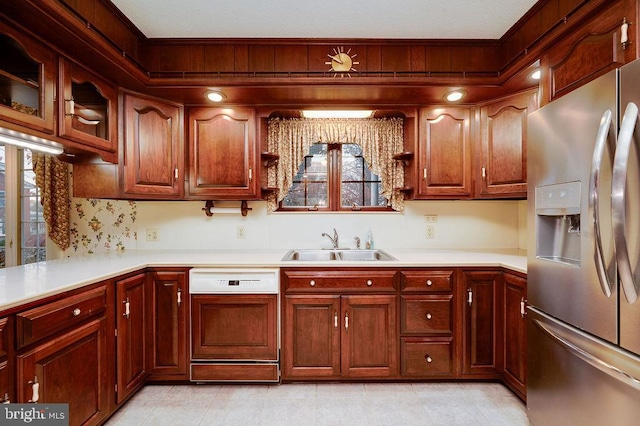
(334, 240)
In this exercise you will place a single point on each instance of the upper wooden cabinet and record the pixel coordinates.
(222, 154)
(444, 166)
(502, 170)
(87, 110)
(27, 81)
(153, 147)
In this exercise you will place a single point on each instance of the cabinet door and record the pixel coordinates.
(503, 128)
(515, 332)
(131, 342)
(445, 153)
(7, 365)
(169, 325)
(153, 153)
(73, 369)
(234, 327)
(369, 336)
(311, 336)
(480, 320)
(87, 111)
(27, 81)
(222, 153)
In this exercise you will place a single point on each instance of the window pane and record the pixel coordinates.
(310, 186)
(3, 179)
(33, 242)
(359, 186)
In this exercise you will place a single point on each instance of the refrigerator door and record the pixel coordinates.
(571, 266)
(626, 204)
(576, 379)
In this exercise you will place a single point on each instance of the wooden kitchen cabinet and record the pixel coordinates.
(514, 349)
(7, 360)
(427, 320)
(444, 153)
(87, 111)
(67, 352)
(131, 317)
(28, 74)
(333, 327)
(222, 154)
(503, 146)
(153, 147)
(480, 321)
(169, 325)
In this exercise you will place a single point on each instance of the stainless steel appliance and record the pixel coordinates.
(584, 255)
(234, 324)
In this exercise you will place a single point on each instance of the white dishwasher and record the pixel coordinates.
(235, 324)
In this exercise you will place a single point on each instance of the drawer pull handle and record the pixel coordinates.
(428, 316)
(429, 283)
(179, 297)
(346, 321)
(6, 399)
(428, 358)
(369, 282)
(35, 390)
(312, 283)
(335, 320)
(76, 312)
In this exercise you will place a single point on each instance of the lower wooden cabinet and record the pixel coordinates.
(168, 314)
(481, 319)
(7, 360)
(514, 349)
(427, 357)
(131, 339)
(72, 368)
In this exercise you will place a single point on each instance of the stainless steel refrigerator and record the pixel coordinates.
(583, 154)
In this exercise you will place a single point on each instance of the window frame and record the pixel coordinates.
(334, 193)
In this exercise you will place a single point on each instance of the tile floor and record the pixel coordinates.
(403, 404)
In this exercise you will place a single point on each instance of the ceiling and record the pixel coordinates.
(371, 19)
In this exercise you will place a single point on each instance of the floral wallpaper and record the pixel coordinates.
(99, 226)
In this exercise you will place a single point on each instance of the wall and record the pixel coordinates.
(105, 225)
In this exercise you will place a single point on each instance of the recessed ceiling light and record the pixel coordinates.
(535, 75)
(454, 96)
(214, 96)
(325, 113)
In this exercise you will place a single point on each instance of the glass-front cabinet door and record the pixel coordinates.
(27, 81)
(88, 109)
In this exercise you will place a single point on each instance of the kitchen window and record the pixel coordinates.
(22, 228)
(335, 177)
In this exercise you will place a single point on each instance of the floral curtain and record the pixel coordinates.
(379, 138)
(52, 177)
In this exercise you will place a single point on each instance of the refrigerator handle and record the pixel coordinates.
(599, 150)
(618, 202)
(587, 357)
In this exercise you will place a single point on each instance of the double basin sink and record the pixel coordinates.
(337, 254)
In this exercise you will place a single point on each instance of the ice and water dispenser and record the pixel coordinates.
(557, 209)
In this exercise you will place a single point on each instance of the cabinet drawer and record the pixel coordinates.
(43, 321)
(426, 315)
(427, 281)
(422, 357)
(345, 281)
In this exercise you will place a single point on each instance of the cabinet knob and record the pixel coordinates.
(76, 312)
(312, 283)
(429, 283)
(428, 358)
(369, 282)
(428, 316)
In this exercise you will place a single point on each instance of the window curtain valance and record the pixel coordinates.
(379, 138)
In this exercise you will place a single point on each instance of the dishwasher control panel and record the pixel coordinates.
(237, 281)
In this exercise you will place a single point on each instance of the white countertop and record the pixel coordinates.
(23, 284)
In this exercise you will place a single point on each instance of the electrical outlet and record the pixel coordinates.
(430, 231)
(152, 235)
(431, 218)
(240, 233)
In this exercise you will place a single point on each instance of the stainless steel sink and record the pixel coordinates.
(337, 254)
